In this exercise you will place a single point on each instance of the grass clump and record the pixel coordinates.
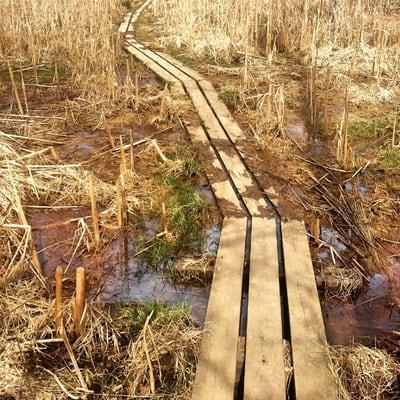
(184, 213)
(390, 158)
(122, 357)
(364, 373)
(367, 129)
(228, 95)
(158, 312)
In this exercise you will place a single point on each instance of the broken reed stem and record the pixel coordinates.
(110, 138)
(146, 350)
(345, 151)
(24, 90)
(56, 80)
(95, 215)
(79, 299)
(14, 87)
(137, 91)
(315, 228)
(164, 217)
(394, 130)
(23, 220)
(269, 102)
(54, 154)
(121, 211)
(163, 99)
(157, 147)
(123, 158)
(131, 151)
(59, 293)
(326, 101)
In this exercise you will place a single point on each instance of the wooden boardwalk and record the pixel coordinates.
(263, 289)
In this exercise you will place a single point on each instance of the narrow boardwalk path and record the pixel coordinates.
(263, 289)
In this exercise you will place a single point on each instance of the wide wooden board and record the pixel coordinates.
(216, 369)
(264, 367)
(313, 378)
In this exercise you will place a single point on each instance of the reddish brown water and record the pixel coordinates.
(120, 275)
(376, 311)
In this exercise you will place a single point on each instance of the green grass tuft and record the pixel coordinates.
(163, 313)
(185, 214)
(228, 95)
(368, 129)
(390, 158)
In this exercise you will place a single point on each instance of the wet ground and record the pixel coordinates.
(121, 274)
(375, 312)
(128, 278)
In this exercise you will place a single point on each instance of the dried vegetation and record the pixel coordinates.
(65, 92)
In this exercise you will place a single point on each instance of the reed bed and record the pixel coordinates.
(266, 26)
(142, 351)
(75, 38)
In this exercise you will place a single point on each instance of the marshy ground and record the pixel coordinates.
(323, 140)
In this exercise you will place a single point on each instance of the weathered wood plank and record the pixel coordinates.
(216, 369)
(264, 367)
(231, 126)
(313, 377)
(189, 71)
(240, 176)
(223, 191)
(160, 72)
(168, 66)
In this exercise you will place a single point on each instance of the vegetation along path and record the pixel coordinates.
(264, 301)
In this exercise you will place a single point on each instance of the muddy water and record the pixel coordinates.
(55, 235)
(376, 311)
(124, 276)
(314, 145)
(128, 278)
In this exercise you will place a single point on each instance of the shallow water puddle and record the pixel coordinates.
(375, 312)
(298, 131)
(53, 234)
(128, 278)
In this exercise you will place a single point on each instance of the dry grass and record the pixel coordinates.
(341, 282)
(144, 351)
(258, 26)
(76, 37)
(364, 373)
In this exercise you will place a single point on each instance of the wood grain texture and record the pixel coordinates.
(313, 378)
(216, 369)
(264, 367)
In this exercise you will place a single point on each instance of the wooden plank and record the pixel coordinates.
(184, 68)
(160, 72)
(238, 172)
(223, 191)
(216, 369)
(313, 378)
(264, 367)
(231, 126)
(168, 66)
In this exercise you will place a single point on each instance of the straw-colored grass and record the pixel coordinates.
(202, 26)
(145, 350)
(364, 373)
(75, 37)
